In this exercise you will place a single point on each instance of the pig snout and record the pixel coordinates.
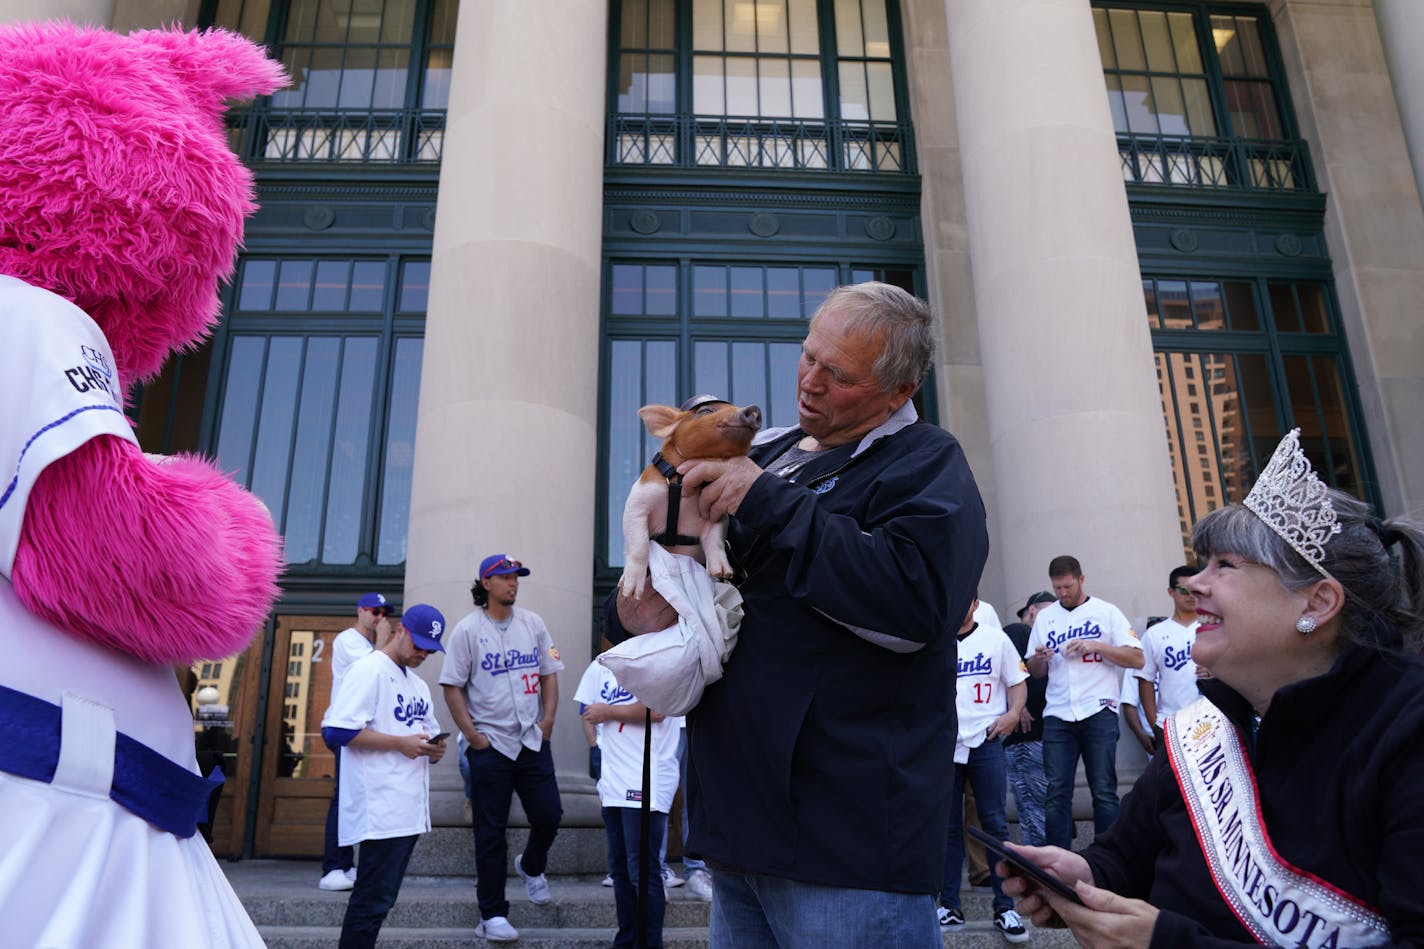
(752, 416)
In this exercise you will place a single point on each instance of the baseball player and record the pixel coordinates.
(1167, 657)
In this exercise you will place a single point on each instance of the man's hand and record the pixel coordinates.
(1004, 725)
(597, 713)
(649, 613)
(1077, 649)
(435, 750)
(413, 746)
(720, 484)
(1148, 742)
(546, 726)
(1025, 721)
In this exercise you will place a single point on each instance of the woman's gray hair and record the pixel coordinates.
(1384, 597)
(900, 320)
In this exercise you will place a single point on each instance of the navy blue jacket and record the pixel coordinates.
(825, 753)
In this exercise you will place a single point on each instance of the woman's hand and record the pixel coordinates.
(1064, 864)
(1106, 920)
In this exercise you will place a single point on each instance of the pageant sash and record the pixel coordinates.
(1278, 904)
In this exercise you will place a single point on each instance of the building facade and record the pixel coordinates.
(1157, 235)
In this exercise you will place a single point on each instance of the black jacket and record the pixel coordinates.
(1339, 764)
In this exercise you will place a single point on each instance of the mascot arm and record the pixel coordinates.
(168, 562)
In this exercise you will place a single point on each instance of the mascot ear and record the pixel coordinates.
(213, 66)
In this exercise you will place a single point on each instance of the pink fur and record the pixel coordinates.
(118, 192)
(167, 562)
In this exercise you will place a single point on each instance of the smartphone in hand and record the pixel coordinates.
(1031, 871)
(436, 738)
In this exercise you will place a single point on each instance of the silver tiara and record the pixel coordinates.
(1293, 503)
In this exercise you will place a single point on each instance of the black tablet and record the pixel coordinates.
(1044, 878)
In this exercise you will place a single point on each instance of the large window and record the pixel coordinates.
(1197, 97)
(729, 328)
(370, 78)
(322, 362)
(1239, 363)
(783, 84)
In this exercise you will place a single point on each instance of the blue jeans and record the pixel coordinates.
(763, 912)
(334, 857)
(378, 882)
(689, 863)
(494, 780)
(1030, 788)
(623, 826)
(986, 772)
(1095, 739)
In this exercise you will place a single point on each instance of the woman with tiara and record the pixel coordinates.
(1289, 808)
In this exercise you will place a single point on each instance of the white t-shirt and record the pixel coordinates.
(1085, 686)
(348, 646)
(986, 615)
(621, 780)
(383, 793)
(1167, 660)
(499, 671)
(988, 666)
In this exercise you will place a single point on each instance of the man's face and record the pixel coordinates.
(1032, 612)
(838, 398)
(367, 617)
(502, 588)
(408, 654)
(1183, 599)
(1069, 590)
(968, 623)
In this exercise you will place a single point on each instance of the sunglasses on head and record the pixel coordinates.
(504, 565)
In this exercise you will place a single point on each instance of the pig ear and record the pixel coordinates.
(660, 419)
(214, 65)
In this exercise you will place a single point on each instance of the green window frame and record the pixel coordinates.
(785, 85)
(370, 78)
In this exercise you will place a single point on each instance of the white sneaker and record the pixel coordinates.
(699, 885)
(1007, 922)
(336, 880)
(351, 875)
(607, 881)
(537, 887)
(671, 879)
(496, 929)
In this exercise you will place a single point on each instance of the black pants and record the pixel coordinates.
(494, 779)
(334, 856)
(378, 882)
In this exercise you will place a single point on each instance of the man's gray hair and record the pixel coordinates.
(900, 320)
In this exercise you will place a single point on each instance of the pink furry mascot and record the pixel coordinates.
(121, 208)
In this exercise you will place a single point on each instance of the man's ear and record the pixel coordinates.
(660, 419)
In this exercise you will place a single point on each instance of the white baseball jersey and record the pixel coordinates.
(499, 671)
(348, 646)
(988, 666)
(383, 793)
(1082, 687)
(620, 783)
(1167, 660)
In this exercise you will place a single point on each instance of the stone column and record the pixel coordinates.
(506, 432)
(1074, 416)
(95, 12)
(1401, 28)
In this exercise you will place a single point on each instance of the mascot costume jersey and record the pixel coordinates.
(121, 208)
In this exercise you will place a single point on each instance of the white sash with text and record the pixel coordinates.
(1279, 904)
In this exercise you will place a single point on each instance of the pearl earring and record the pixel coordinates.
(1306, 625)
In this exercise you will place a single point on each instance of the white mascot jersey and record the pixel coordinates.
(77, 868)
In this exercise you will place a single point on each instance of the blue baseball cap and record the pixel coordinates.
(499, 564)
(372, 601)
(426, 625)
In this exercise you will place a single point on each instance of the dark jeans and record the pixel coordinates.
(987, 773)
(378, 882)
(494, 779)
(334, 857)
(1095, 739)
(624, 828)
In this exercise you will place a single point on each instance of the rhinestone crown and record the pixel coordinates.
(1293, 503)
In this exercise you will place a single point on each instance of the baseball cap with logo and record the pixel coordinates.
(1040, 597)
(426, 626)
(497, 565)
(373, 601)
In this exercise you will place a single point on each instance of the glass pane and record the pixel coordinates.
(783, 293)
(350, 447)
(1253, 109)
(368, 286)
(274, 426)
(1200, 119)
(394, 521)
(855, 97)
(237, 420)
(1283, 308)
(707, 25)
(1315, 318)
(633, 28)
(398, 21)
(805, 36)
(1174, 305)
(708, 93)
(442, 27)
(1105, 46)
(662, 24)
(257, 284)
(625, 372)
(415, 286)
(849, 39)
(311, 453)
(1253, 55)
(329, 292)
(661, 297)
(662, 86)
(294, 285)
(1126, 40)
(741, 87)
(775, 86)
(1241, 306)
(301, 21)
(709, 291)
(659, 386)
(1149, 299)
(740, 23)
(1137, 104)
(1184, 42)
(626, 290)
(748, 374)
(817, 285)
(435, 94)
(807, 91)
(780, 408)
(358, 80)
(772, 34)
(709, 368)
(1116, 104)
(1171, 109)
(882, 92)
(392, 73)
(1319, 407)
(747, 299)
(877, 29)
(1228, 47)
(633, 82)
(1157, 41)
(1207, 305)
